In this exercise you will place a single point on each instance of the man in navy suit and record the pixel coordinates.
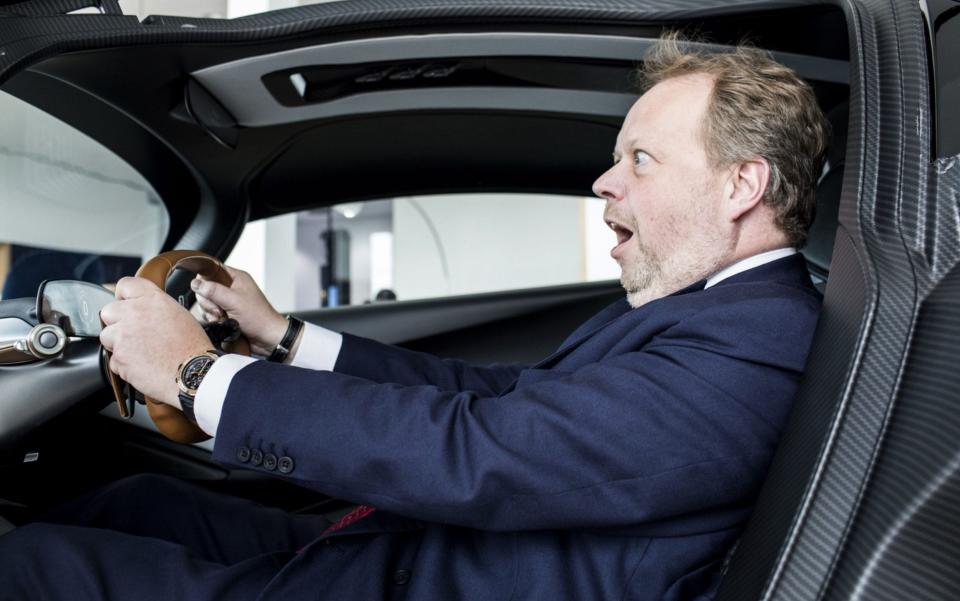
(621, 466)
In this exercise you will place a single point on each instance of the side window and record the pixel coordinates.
(71, 209)
(426, 247)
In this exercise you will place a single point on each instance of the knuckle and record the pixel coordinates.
(122, 284)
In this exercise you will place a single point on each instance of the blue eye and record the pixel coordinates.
(640, 158)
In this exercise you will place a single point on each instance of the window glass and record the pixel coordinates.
(71, 209)
(426, 247)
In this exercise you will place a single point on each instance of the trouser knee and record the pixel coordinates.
(119, 504)
(25, 551)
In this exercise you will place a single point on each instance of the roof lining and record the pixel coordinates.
(238, 85)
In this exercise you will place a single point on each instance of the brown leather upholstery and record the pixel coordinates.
(169, 420)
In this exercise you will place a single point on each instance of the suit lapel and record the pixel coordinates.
(601, 321)
(589, 327)
(789, 270)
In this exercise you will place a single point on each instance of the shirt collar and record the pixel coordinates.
(749, 263)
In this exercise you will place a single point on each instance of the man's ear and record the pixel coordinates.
(746, 187)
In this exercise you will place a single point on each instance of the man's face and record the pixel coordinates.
(663, 196)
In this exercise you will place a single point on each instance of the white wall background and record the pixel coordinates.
(491, 242)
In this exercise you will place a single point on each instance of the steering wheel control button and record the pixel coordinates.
(243, 454)
(256, 457)
(48, 340)
(285, 465)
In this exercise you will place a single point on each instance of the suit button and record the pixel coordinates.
(401, 577)
(285, 465)
(270, 462)
(256, 457)
(243, 454)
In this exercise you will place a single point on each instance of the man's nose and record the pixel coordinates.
(607, 185)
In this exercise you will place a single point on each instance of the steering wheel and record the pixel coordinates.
(169, 420)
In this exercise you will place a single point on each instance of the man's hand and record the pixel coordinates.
(150, 335)
(244, 302)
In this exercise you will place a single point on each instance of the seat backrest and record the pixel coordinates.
(828, 248)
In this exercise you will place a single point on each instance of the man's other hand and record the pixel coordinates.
(150, 335)
(243, 301)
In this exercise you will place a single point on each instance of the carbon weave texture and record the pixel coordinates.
(896, 484)
(904, 232)
(905, 542)
(874, 383)
(778, 529)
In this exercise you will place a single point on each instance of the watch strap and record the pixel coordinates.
(186, 405)
(282, 351)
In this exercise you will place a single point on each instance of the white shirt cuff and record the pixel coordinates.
(208, 403)
(319, 348)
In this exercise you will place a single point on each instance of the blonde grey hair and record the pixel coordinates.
(758, 108)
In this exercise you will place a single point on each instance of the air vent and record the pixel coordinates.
(324, 83)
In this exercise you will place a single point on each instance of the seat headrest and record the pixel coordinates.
(819, 247)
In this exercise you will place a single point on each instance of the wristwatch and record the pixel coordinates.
(189, 375)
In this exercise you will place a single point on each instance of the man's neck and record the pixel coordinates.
(733, 263)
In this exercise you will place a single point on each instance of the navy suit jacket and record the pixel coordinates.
(621, 466)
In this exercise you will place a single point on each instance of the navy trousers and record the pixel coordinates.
(152, 537)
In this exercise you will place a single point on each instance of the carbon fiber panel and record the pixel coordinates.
(878, 518)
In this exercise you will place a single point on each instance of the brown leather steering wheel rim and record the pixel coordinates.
(169, 420)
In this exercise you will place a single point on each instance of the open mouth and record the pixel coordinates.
(624, 235)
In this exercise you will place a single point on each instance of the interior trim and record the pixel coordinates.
(265, 111)
(238, 85)
(29, 398)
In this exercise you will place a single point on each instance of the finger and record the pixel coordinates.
(208, 306)
(113, 312)
(108, 336)
(114, 365)
(130, 287)
(218, 294)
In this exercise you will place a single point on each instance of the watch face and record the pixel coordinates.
(192, 373)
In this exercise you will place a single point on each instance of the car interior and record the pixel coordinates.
(234, 132)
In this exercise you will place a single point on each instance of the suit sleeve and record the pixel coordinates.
(661, 434)
(377, 362)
